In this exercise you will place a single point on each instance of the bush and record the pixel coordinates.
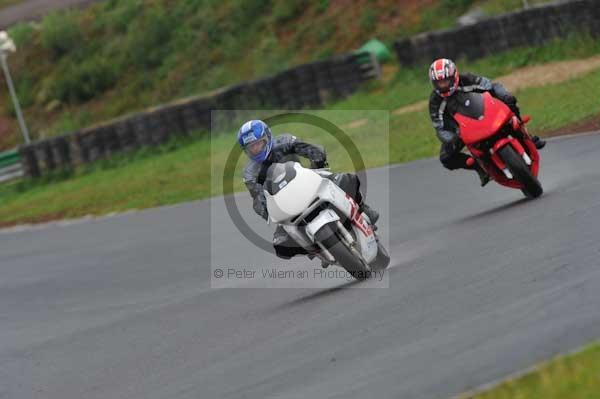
(322, 6)
(325, 31)
(368, 20)
(80, 82)
(121, 15)
(21, 33)
(247, 12)
(443, 14)
(149, 39)
(24, 88)
(284, 11)
(60, 32)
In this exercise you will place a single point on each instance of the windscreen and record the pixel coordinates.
(470, 104)
(278, 176)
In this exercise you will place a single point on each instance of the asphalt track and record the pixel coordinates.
(482, 284)
(27, 10)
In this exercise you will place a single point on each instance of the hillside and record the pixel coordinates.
(78, 67)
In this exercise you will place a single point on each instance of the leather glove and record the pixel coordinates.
(319, 164)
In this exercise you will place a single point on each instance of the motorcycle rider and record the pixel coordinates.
(446, 81)
(263, 149)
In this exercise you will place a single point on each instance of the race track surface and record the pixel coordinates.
(482, 284)
(28, 10)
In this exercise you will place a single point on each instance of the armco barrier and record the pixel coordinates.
(305, 86)
(10, 166)
(529, 27)
(9, 158)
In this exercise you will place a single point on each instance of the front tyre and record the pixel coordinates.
(521, 172)
(382, 260)
(328, 236)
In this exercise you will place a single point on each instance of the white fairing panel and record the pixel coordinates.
(367, 244)
(331, 193)
(295, 197)
(363, 231)
(325, 217)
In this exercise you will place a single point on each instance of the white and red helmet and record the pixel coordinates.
(444, 76)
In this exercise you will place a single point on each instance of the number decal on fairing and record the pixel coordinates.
(357, 218)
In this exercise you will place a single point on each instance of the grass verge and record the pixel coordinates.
(8, 3)
(182, 171)
(166, 175)
(575, 376)
(78, 67)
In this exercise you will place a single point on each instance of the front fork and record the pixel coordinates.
(349, 241)
(499, 162)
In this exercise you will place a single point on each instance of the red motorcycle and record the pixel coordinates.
(499, 142)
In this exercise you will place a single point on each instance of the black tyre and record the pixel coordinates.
(328, 236)
(382, 260)
(517, 166)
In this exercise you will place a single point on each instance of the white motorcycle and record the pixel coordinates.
(323, 218)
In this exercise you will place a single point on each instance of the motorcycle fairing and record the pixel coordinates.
(279, 176)
(522, 147)
(329, 192)
(305, 193)
(469, 105)
(480, 116)
(295, 195)
(494, 117)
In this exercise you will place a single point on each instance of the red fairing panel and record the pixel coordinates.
(518, 146)
(357, 219)
(496, 114)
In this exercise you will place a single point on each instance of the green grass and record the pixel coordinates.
(551, 106)
(371, 139)
(8, 3)
(152, 177)
(182, 172)
(410, 85)
(575, 376)
(120, 56)
(495, 7)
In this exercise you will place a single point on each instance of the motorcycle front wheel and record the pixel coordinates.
(517, 166)
(382, 260)
(328, 236)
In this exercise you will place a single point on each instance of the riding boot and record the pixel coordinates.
(484, 177)
(539, 143)
(280, 236)
(370, 212)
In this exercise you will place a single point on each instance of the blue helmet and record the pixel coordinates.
(256, 140)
